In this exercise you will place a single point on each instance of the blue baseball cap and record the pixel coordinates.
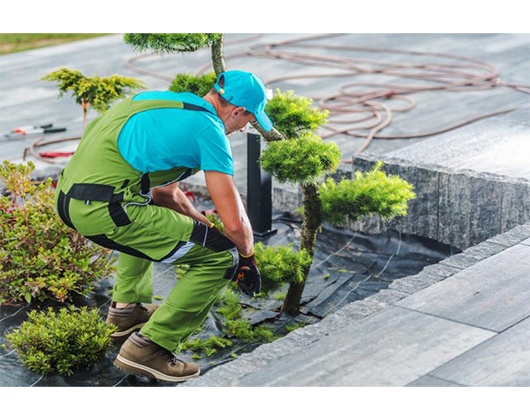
(242, 88)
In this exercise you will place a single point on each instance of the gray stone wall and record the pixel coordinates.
(457, 207)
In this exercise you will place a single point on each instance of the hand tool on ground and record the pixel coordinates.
(34, 129)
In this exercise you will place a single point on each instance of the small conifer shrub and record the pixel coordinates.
(368, 193)
(200, 85)
(95, 91)
(60, 342)
(279, 265)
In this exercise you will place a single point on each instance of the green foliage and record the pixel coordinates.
(200, 85)
(99, 92)
(168, 43)
(207, 347)
(60, 342)
(290, 328)
(244, 331)
(372, 192)
(229, 306)
(16, 42)
(294, 115)
(300, 160)
(279, 265)
(40, 257)
(235, 325)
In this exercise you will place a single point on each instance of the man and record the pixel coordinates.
(120, 190)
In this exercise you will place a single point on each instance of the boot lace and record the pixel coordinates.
(171, 358)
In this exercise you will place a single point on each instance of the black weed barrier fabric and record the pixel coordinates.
(348, 266)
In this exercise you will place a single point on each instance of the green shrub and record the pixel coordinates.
(279, 265)
(40, 257)
(100, 92)
(229, 306)
(171, 42)
(294, 115)
(300, 160)
(235, 325)
(200, 85)
(216, 220)
(61, 341)
(372, 192)
(244, 331)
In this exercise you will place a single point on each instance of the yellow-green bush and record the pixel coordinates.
(371, 192)
(61, 341)
(200, 85)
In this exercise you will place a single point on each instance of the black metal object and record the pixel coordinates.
(259, 190)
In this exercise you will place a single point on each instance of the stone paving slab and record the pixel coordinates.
(502, 361)
(391, 348)
(493, 294)
(430, 381)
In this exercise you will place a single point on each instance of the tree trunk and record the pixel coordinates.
(310, 227)
(85, 105)
(273, 135)
(218, 58)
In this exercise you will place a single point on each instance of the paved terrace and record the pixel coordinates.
(462, 322)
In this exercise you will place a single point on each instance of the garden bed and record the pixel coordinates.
(348, 266)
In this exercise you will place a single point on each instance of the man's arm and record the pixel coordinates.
(172, 197)
(229, 206)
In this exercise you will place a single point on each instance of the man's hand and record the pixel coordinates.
(248, 277)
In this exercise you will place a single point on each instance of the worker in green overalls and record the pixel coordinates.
(120, 190)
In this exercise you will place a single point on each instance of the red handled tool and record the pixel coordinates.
(34, 129)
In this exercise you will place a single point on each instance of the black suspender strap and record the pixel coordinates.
(192, 107)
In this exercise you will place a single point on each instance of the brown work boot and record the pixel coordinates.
(141, 356)
(129, 319)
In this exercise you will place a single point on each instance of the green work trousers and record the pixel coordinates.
(150, 234)
(188, 303)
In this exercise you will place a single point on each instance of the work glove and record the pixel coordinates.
(248, 277)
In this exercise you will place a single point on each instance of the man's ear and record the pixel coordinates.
(239, 110)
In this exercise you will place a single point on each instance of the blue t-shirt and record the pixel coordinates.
(166, 138)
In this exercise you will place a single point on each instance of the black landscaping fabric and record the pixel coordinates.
(348, 266)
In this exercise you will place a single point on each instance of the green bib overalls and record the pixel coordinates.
(107, 200)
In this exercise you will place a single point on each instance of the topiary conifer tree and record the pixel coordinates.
(98, 92)
(304, 158)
